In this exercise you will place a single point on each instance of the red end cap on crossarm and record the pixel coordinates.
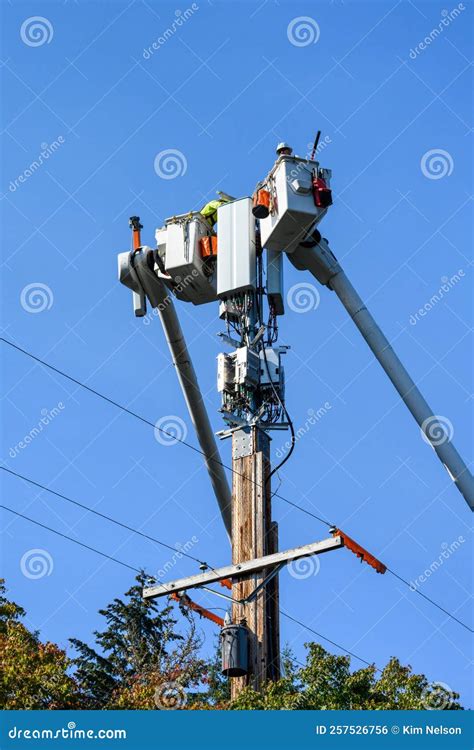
(361, 553)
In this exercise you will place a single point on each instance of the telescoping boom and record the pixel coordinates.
(136, 272)
(320, 261)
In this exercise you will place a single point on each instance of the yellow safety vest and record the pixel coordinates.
(210, 211)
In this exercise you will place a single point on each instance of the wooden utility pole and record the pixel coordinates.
(254, 535)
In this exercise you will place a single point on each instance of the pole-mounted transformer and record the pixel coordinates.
(235, 650)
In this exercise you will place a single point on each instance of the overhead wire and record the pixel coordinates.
(197, 450)
(137, 570)
(102, 515)
(428, 599)
(176, 438)
(334, 643)
(272, 384)
(70, 538)
(290, 423)
(141, 571)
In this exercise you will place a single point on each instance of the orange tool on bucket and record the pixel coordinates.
(208, 246)
(261, 203)
(135, 226)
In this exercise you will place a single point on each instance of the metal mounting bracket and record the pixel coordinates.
(242, 443)
(247, 441)
(254, 593)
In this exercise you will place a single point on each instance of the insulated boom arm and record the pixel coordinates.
(141, 270)
(321, 262)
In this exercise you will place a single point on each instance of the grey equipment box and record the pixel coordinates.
(236, 254)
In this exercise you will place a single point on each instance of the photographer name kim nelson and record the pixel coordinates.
(431, 729)
(365, 729)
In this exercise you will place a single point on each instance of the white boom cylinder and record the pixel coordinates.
(323, 265)
(160, 298)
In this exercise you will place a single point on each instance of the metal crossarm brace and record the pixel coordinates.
(244, 568)
(254, 593)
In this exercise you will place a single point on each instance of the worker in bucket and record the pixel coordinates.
(209, 211)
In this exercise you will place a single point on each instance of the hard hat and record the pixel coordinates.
(282, 147)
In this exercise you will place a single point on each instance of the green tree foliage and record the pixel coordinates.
(215, 691)
(33, 675)
(137, 653)
(140, 661)
(326, 682)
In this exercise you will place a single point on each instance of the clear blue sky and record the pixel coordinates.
(223, 90)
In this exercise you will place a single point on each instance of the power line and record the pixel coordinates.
(155, 427)
(69, 538)
(137, 570)
(197, 450)
(101, 515)
(185, 554)
(325, 638)
(417, 591)
(100, 395)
